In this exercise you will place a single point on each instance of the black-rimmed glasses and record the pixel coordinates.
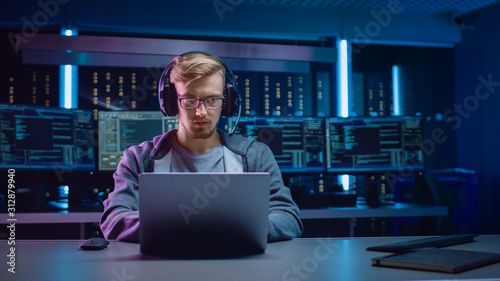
(192, 103)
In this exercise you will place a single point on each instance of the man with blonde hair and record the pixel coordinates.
(197, 146)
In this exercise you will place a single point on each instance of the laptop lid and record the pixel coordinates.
(190, 214)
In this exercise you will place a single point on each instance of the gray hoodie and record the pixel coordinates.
(120, 219)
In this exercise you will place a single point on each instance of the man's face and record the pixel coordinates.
(199, 123)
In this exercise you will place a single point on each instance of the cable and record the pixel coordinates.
(237, 118)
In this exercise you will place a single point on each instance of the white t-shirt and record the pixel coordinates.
(183, 160)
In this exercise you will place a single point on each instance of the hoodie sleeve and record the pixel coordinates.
(120, 219)
(284, 219)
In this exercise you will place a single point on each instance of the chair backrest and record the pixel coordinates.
(432, 192)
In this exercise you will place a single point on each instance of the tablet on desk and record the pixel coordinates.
(438, 259)
(428, 242)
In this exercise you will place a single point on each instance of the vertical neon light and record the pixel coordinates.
(343, 80)
(67, 86)
(343, 94)
(396, 93)
(68, 77)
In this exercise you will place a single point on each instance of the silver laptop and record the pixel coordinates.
(203, 214)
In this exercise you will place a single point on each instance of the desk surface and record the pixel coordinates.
(298, 259)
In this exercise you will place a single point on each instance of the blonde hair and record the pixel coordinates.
(191, 66)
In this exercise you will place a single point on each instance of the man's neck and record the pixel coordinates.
(197, 146)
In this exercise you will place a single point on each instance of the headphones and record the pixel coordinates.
(167, 94)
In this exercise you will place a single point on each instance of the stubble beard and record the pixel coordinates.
(200, 133)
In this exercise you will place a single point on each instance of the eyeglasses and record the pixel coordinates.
(192, 103)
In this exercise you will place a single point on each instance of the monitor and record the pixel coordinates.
(296, 142)
(118, 130)
(44, 138)
(374, 144)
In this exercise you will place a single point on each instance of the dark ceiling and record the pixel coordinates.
(411, 6)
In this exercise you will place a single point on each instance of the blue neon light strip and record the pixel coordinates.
(342, 76)
(343, 96)
(67, 86)
(68, 95)
(396, 98)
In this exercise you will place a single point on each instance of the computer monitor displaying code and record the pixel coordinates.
(118, 130)
(43, 138)
(296, 142)
(374, 144)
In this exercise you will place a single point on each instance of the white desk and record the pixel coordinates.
(298, 259)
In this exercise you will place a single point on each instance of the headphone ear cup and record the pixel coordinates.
(161, 100)
(172, 100)
(167, 94)
(168, 100)
(231, 100)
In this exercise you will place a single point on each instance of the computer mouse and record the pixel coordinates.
(94, 243)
